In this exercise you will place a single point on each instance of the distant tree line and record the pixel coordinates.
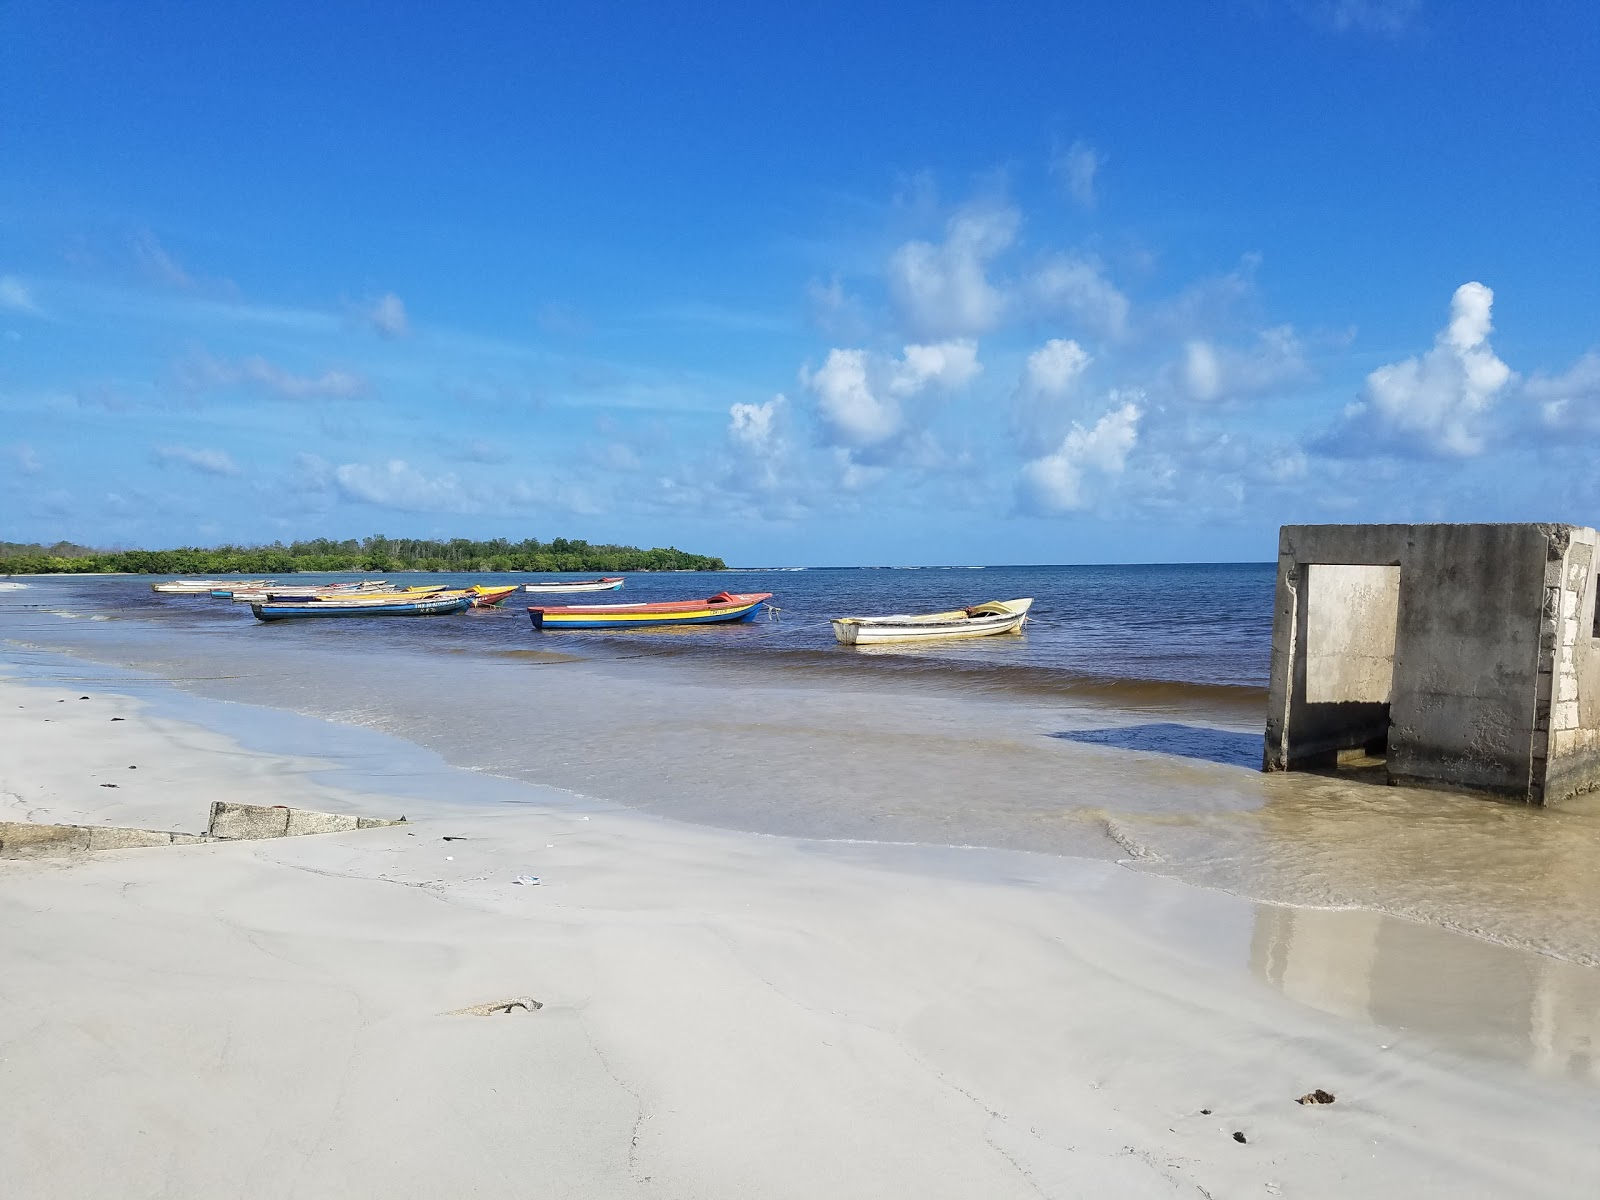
(376, 554)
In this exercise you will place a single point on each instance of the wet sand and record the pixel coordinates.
(724, 1013)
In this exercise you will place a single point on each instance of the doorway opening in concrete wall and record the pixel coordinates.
(1351, 617)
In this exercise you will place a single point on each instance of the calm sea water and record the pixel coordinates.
(1124, 724)
(1208, 626)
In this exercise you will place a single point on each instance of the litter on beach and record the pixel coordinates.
(528, 880)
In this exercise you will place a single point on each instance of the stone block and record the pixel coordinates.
(377, 822)
(1569, 687)
(305, 821)
(191, 839)
(238, 822)
(22, 839)
(123, 839)
(1566, 714)
(1563, 741)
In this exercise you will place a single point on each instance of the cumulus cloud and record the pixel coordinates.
(16, 296)
(398, 485)
(1077, 168)
(207, 462)
(202, 372)
(1055, 367)
(1211, 372)
(944, 290)
(387, 316)
(1437, 404)
(859, 395)
(754, 427)
(1569, 402)
(1078, 289)
(1055, 482)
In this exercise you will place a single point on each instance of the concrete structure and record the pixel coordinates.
(228, 822)
(1467, 655)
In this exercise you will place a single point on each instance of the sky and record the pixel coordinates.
(802, 284)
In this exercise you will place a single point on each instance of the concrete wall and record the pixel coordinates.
(1467, 657)
(1351, 616)
(1495, 680)
(1569, 702)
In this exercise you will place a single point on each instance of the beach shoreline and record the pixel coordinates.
(724, 1013)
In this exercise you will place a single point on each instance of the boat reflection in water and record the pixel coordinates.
(1470, 996)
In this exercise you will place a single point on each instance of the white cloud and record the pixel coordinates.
(398, 485)
(161, 266)
(207, 462)
(1055, 482)
(16, 296)
(1210, 372)
(387, 316)
(947, 365)
(1055, 367)
(1569, 402)
(858, 394)
(944, 290)
(754, 427)
(1387, 17)
(1077, 168)
(201, 372)
(1078, 288)
(1437, 404)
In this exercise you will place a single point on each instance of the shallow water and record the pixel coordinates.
(1088, 735)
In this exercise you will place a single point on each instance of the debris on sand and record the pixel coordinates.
(1238, 1136)
(525, 1003)
(1317, 1097)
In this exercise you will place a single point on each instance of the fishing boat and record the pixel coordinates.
(490, 597)
(365, 606)
(201, 587)
(310, 591)
(724, 606)
(981, 620)
(608, 584)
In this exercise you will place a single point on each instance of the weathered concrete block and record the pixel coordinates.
(122, 839)
(190, 839)
(238, 822)
(304, 821)
(22, 839)
(377, 822)
(1566, 714)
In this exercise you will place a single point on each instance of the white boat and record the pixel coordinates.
(981, 620)
(204, 587)
(609, 584)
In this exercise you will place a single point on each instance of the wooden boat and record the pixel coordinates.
(608, 584)
(310, 591)
(981, 620)
(490, 597)
(387, 605)
(724, 606)
(202, 587)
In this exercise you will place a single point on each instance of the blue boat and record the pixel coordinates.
(421, 606)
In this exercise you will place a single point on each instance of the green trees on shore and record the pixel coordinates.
(375, 554)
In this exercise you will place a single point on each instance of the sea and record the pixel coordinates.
(1123, 725)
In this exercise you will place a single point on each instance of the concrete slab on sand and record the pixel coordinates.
(229, 823)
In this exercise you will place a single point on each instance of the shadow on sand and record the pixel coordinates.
(1188, 741)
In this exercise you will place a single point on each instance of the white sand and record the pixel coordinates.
(724, 1016)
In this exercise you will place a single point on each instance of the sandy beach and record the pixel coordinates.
(723, 1014)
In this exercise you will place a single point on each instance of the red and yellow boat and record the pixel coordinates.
(714, 610)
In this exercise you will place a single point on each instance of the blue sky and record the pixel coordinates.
(925, 283)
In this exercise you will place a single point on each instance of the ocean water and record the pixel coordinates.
(1124, 724)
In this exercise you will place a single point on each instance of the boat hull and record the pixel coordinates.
(713, 611)
(984, 620)
(428, 606)
(586, 585)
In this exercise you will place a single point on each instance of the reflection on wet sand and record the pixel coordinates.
(1466, 995)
